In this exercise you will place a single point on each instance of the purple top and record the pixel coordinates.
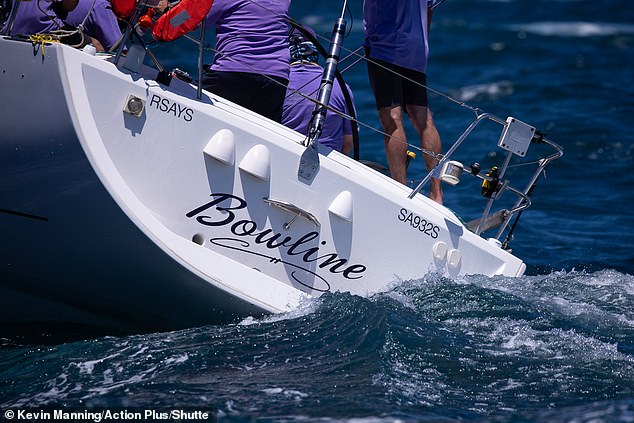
(396, 31)
(251, 36)
(101, 23)
(297, 112)
(31, 20)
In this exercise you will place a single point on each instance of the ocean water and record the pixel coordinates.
(556, 345)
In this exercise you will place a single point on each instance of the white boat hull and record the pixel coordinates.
(176, 217)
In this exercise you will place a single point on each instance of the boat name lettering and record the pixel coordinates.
(227, 204)
(417, 222)
(168, 106)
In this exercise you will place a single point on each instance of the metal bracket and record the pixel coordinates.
(308, 164)
(492, 221)
(292, 208)
(516, 136)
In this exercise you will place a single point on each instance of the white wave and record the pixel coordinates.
(307, 305)
(109, 384)
(87, 367)
(57, 386)
(176, 359)
(523, 339)
(491, 91)
(406, 300)
(573, 29)
(288, 393)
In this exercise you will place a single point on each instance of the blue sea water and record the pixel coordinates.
(556, 345)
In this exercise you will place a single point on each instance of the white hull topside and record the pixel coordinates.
(187, 214)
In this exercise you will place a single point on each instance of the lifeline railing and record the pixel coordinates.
(516, 138)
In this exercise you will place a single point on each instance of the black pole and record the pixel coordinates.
(346, 93)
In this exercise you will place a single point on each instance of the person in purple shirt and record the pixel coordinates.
(396, 34)
(98, 20)
(35, 17)
(250, 66)
(99, 28)
(305, 78)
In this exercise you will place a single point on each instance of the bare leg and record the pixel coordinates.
(395, 141)
(423, 121)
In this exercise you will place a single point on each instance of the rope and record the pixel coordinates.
(57, 34)
(42, 39)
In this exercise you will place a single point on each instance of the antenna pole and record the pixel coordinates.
(309, 161)
(325, 89)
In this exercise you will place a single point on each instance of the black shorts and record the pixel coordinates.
(396, 86)
(263, 95)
